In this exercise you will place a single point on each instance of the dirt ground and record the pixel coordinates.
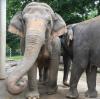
(61, 93)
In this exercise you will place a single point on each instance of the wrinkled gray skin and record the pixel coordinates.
(42, 66)
(40, 26)
(86, 56)
(67, 53)
(67, 56)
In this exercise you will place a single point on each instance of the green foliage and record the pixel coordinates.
(72, 11)
(12, 7)
(12, 41)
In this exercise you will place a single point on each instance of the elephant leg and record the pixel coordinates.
(40, 74)
(78, 67)
(66, 69)
(91, 82)
(32, 83)
(45, 74)
(75, 76)
(54, 65)
(80, 63)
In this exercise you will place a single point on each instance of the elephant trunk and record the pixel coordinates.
(34, 42)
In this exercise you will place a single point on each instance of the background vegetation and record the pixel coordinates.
(72, 11)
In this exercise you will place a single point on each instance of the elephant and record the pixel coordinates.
(40, 27)
(43, 69)
(86, 50)
(67, 51)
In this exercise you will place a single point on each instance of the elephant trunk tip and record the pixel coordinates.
(14, 87)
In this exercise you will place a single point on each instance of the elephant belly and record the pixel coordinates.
(95, 58)
(43, 62)
(43, 58)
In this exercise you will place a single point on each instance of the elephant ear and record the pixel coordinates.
(70, 31)
(16, 25)
(59, 26)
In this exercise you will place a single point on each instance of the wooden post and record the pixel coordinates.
(2, 38)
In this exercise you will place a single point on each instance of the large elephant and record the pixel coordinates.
(41, 27)
(42, 67)
(86, 56)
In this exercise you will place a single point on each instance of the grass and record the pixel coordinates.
(16, 58)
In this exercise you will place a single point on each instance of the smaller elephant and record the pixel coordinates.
(42, 65)
(67, 51)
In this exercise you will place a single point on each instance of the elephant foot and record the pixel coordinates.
(51, 91)
(45, 83)
(40, 80)
(40, 83)
(73, 94)
(66, 84)
(91, 94)
(32, 95)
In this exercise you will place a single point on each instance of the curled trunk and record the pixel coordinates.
(32, 49)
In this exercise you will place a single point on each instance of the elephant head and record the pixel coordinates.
(38, 24)
(68, 36)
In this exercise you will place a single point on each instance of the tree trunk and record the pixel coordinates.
(98, 8)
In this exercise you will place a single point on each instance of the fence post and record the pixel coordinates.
(10, 52)
(2, 38)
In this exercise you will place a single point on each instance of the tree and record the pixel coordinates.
(72, 11)
(13, 7)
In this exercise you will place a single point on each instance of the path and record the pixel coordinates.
(61, 93)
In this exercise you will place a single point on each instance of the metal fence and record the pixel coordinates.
(10, 52)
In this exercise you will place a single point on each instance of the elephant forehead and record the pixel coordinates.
(36, 23)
